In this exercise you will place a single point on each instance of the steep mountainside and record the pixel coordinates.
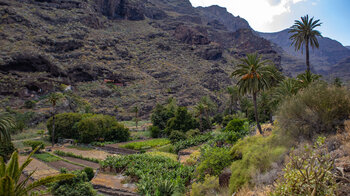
(148, 50)
(322, 60)
(348, 47)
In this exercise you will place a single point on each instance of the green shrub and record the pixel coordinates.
(146, 144)
(176, 136)
(200, 139)
(235, 125)
(183, 121)
(6, 150)
(118, 133)
(70, 154)
(47, 157)
(78, 185)
(160, 116)
(252, 155)
(308, 174)
(192, 132)
(218, 118)
(34, 144)
(155, 131)
(89, 172)
(210, 186)
(212, 161)
(317, 109)
(227, 119)
(66, 125)
(29, 104)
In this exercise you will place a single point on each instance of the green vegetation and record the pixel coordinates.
(157, 175)
(53, 98)
(87, 128)
(182, 121)
(210, 186)
(79, 185)
(46, 157)
(163, 154)
(309, 173)
(69, 154)
(143, 145)
(177, 136)
(200, 139)
(251, 155)
(10, 177)
(319, 108)
(89, 172)
(6, 147)
(35, 144)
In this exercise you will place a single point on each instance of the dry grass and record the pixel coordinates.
(256, 191)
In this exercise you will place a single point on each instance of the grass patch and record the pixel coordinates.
(26, 134)
(163, 154)
(133, 124)
(143, 145)
(47, 157)
(69, 154)
(135, 135)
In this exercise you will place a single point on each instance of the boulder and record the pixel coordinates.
(190, 35)
(224, 177)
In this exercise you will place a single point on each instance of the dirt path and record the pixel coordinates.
(62, 164)
(97, 154)
(41, 169)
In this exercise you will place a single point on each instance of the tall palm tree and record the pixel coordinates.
(234, 97)
(53, 99)
(136, 111)
(209, 106)
(10, 183)
(253, 76)
(200, 110)
(304, 33)
(307, 78)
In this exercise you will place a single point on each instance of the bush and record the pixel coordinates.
(29, 104)
(66, 125)
(227, 119)
(235, 125)
(192, 132)
(218, 118)
(183, 121)
(210, 186)
(212, 161)
(6, 150)
(200, 139)
(118, 133)
(89, 172)
(308, 174)
(176, 136)
(34, 144)
(155, 131)
(101, 127)
(78, 185)
(317, 109)
(161, 115)
(253, 155)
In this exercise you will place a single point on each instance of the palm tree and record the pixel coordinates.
(10, 183)
(307, 78)
(209, 106)
(286, 88)
(200, 110)
(53, 99)
(136, 111)
(304, 33)
(253, 76)
(6, 147)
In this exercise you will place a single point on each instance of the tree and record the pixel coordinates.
(6, 124)
(53, 99)
(208, 107)
(200, 110)
(337, 82)
(304, 33)
(253, 76)
(10, 173)
(305, 79)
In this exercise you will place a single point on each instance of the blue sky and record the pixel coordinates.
(276, 15)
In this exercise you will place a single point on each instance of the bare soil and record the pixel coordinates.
(114, 182)
(41, 169)
(62, 164)
(83, 162)
(97, 154)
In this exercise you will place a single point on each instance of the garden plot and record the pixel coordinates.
(145, 144)
(113, 184)
(83, 162)
(189, 153)
(96, 154)
(41, 169)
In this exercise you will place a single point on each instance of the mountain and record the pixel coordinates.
(322, 60)
(120, 53)
(348, 47)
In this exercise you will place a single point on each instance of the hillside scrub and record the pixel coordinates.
(318, 109)
(253, 155)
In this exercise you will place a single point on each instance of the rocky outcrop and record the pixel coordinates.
(193, 36)
(121, 9)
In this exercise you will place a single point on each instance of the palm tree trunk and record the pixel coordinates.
(53, 127)
(307, 56)
(256, 113)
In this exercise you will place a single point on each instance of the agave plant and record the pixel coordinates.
(10, 173)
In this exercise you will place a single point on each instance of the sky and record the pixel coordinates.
(276, 15)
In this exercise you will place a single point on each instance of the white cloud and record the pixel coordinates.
(259, 13)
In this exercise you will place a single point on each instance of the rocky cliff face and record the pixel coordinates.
(151, 50)
(323, 60)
